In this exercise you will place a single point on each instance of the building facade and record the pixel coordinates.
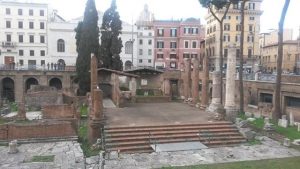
(232, 32)
(145, 38)
(176, 40)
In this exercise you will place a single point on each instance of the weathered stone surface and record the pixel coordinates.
(243, 124)
(283, 123)
(269, 127)
(251, 119)
(13, 147)
(298, 127)
(250, 135)
(292, 119)
(287, 142)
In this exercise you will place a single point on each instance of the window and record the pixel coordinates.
(31, 52)
(160, 44)
(249, 53)
(173, 45)
(194, 55)
(237, 38)
(31, 25)
(128, 47)
(43, 53)
(252, 18)
(194, 44)
(250, 28)
(42, 39)
(7, 11)
(42, 62)
(251, 6)
(226, 38)
(186, 44)
(149, 61)
(186, 30)
(30, 12)
(238, 27)
(140, 60)
(250, 38)
(20, 24)
(21, 39)
(266, 97)
(141, 41)
(42, 25)
(31, 38)
(8, 38)
(8, 24)
(149, 42)
(172, 56)
(21, 62)
(238, 17)
(160, 32)
(21, 52)
(42, 13)
(60, 45)
(173, 32)
(149, 34)
(215, 28)
(149, 51)
(140, 51)
(225, 53)
(186, 55)
(20, 12)
(173, 65)
(226, 27)
(160, 56)
(228, 17)
(195, 30)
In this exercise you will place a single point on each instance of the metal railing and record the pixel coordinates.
(36, 67)
(152, 140)
(7, 44)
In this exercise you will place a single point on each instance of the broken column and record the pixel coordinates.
(13, 147)
(230, 107)
(195, 80)
(205, 79)
(94, 74)
(167, 87)
(21, 109)
(186, 78)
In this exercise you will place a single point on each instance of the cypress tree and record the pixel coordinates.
(87, 41)
(111, 43)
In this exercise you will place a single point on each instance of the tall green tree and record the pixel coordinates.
(217, 7)
(111, 43)
(87, 41)
(277, 105)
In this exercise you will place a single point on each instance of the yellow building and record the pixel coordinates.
(289, 60)
(232, 33)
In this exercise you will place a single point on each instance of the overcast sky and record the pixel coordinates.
(168, 9)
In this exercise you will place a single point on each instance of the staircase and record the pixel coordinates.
(139, 138)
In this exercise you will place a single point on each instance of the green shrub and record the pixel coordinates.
(13, 106)
(141, 92)
(123, 88)
(83, 110)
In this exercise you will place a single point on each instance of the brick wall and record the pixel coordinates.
(3, 132)
(58, 111)
(37, 130)
(39, 99)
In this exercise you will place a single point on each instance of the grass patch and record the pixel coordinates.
(3, 144)
(283, 163)
(42, 158)
(13, 106)
(254, 142)
(84, 110)
(87, 149)
(2, 121)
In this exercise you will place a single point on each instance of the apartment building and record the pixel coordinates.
(232, 32)
(176, 40)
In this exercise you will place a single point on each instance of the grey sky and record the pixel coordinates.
(167, 9)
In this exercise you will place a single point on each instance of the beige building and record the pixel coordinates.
(290, 56)
(232, 33)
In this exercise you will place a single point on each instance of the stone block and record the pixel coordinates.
(298, 127)
(248, 114)
(250, 135)
(266, 120)
(286, 142)
(243, 124)
(296, 142)
(283, 117)
(251, 119)
(292, 120)
(283, 123)
(13, 147)
(269, 127)
(238, 120)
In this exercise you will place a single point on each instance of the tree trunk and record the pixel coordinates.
(241, 55)
(277, 105)
(221, 60)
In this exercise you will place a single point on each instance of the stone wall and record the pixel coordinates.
(40, 99)
(63, 111)
(46, 129)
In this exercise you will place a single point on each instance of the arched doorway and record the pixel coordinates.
(61, 64)
(128, 65)
(29, 82)
(56, 82)
(8, 89)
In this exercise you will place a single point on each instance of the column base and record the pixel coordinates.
(217, 111)
(231, 113)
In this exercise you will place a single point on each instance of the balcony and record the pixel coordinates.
(8, 44)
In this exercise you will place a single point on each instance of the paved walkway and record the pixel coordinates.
(67, 155)
(155, 114)
(269, 149)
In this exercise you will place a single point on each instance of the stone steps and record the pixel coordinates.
(139, 139)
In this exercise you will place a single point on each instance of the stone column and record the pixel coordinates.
(98, 104)
(216, 105)
(133, 86)
(205, 80)
(21, 109)
(19, 87)
(93, 74)
(187, 78)
(195, 80)
(230, 106)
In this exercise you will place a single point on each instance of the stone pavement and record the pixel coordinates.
(67, 155)
(267, 150)
(35, 115)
